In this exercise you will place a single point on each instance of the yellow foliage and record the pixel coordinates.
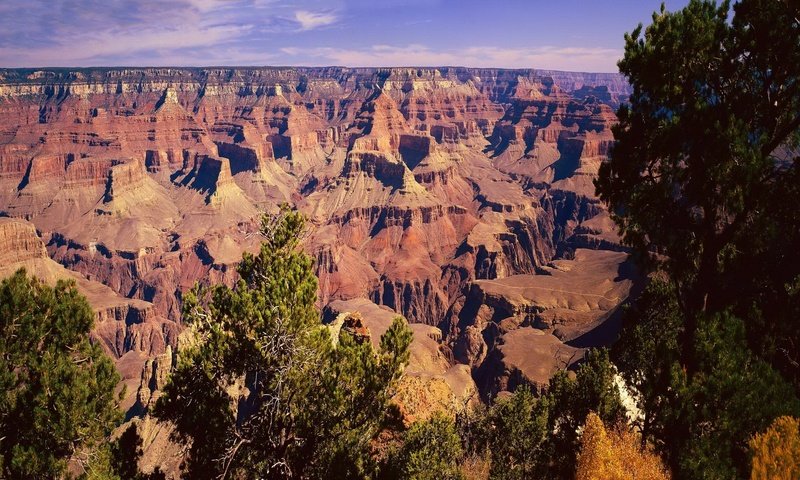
(476, 466)
(615, 455)
(776, 452)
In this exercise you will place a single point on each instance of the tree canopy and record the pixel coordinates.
(265, 391)
(704, 182)
(57, 399)
(431, 450)
(776, 452)
(538, 436)
(615, 455)
(705, 155)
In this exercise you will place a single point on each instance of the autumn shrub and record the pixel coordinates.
(776, 452)
(616, 455)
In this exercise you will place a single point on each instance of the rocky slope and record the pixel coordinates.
(459, 198)
(130, 331)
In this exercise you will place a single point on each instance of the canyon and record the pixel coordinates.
(461, 199)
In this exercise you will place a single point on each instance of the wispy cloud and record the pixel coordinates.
(311, 20)
(558, 58)
(149, 32)
(127, 43)
(206, 5)
(41, 33)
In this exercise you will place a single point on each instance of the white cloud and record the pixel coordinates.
(148, 32)
(206, 5)
(124, 44)
(593, 59)
(311, 20)
(231, 32)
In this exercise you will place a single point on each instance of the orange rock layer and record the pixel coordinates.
(419, 184)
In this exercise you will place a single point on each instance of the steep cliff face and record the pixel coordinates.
(419, 183)
(128, 330)
(19, 243)
(522, 328)
(432, 381)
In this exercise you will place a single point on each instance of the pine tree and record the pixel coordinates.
(699, 424)
(569, 402)
(431, 450)
(703, 182)
(57, 400)
(518, 435)
(265, 392)
(126, 452)
(704, 149)
(538, 437)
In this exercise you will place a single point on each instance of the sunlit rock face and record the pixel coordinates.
(422, 187)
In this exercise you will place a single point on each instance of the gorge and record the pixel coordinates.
(459, 198)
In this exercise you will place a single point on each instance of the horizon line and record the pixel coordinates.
(113, 67)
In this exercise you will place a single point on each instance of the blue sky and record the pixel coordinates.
(578, 35)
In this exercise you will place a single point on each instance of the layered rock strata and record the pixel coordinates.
(129, 330)
(419, 183)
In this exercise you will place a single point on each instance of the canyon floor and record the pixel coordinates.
(461, 199)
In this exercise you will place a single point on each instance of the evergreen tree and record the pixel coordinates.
(530, 437)
(517, 435)
(431, 450)
(733, 395)
(704, 156)
(125, 454)
(703, 182)
(265, 392)
(57, 400)
(349, 403)
(647, 354)
(701, 424)
(570, 401)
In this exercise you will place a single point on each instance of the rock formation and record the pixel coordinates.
(432, 381)
(129, 330)
(459, 198)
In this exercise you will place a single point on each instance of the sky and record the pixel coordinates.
(572, 35)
